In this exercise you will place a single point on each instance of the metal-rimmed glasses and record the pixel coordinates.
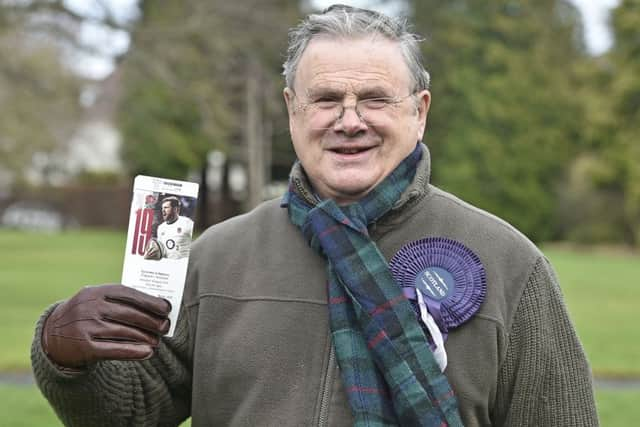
(324, 111)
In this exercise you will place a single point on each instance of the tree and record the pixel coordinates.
(625, 154)
(503, 122)
(185, 79)
(38, 96)
(613, 171)
(39, 91)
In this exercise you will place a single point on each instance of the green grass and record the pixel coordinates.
(602, 291)
(618, 408)
(39, 269)
(24, 406)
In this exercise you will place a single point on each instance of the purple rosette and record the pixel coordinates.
(449, 275)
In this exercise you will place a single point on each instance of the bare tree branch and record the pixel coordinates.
(58, 8)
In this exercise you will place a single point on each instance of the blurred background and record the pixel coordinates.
(535, 117)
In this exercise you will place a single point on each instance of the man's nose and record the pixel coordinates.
(350, 122)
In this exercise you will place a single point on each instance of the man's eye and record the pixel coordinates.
(375, 103)
(325, 103)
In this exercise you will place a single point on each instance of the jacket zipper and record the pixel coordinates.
(304, 193)
(325, 392)
(323, 419)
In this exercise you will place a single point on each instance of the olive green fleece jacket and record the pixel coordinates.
(252, 345)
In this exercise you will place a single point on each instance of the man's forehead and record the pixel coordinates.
(351, 65)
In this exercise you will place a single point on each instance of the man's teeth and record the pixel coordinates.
(350, 150)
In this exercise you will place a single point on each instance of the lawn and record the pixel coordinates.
(39, 269)
(601, 290)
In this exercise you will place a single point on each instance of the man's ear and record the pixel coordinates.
(288, 99)
(423, 104)
(289, 94)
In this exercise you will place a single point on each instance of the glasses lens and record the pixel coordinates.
(374, 110)
(323, 115)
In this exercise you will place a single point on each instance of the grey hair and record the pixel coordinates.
(351, 22)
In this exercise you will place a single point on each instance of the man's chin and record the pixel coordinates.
(350, 193)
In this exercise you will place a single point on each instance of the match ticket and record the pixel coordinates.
(159, 239)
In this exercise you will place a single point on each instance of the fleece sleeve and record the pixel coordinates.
(154, 392)
(545, 379)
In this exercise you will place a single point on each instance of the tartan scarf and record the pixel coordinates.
(388, 370)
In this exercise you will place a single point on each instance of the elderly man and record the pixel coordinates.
(366, 296)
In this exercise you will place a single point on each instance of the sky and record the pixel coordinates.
(594, 15)
(594, 12)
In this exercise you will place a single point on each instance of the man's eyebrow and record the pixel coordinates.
(373, 92)
(324, 91)
(339, 92)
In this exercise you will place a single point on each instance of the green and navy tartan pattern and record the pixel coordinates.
(388, 370)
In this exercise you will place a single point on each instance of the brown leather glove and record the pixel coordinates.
(105, 322)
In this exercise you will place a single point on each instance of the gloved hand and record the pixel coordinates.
(105, 322)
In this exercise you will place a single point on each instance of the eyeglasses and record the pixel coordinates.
(326, 111)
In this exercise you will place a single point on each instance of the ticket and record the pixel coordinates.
(159, 239)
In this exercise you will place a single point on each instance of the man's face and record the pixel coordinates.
(348, 157)
(169, 213)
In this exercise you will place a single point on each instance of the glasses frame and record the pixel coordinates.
(385, 103)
